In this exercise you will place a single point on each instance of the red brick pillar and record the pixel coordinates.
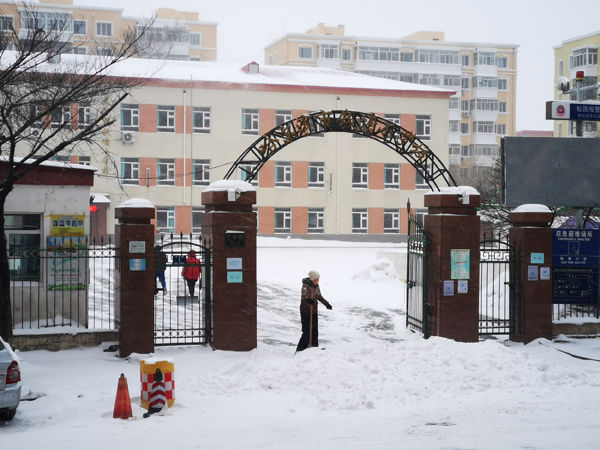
(452, 227)
(531, 236)
(229, 227)
(134, 284)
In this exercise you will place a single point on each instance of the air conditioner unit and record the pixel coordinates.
(128, 136)
(465, 113)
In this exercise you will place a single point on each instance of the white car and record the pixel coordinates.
(10, 382)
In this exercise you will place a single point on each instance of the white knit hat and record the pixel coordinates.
(313, 275)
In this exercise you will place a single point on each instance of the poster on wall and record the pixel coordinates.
(67, 225)
(460, 264)
(66, 263)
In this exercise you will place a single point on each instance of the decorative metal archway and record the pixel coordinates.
(402, 141)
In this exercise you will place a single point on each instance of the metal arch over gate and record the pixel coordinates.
(402, 141)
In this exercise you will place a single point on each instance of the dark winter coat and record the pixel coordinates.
(310, 294)
(160, 261)
(191, 270)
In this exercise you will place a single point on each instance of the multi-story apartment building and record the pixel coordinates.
(173, 35)
(483, 75)
(186, 127)
(572, 56)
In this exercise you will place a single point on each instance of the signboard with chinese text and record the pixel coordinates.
(67, 263)
(460, 268)
(568, 110)
(67, 225)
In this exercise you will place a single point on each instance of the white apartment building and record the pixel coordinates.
(483, 75)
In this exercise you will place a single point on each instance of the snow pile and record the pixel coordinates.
(381, 270)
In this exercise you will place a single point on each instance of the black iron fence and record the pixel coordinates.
(416, 278)
(70, 283)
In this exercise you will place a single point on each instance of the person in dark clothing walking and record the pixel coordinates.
(160, 265)
(191, 271)
(309, 311)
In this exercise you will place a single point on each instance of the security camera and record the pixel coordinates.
(563, 84)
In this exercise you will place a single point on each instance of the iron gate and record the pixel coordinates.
(496, 287)
(179, 317)
(416, 279)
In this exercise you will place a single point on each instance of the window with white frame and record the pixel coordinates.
(464, 128)
(360, 175)
(502, 62)
(391, 221)
(283, 174)
(464, 105)
(501, 129)
(196, 39)
(6, 23)
(305, 52)
(484, 150)
(560, 68)
(245, 170)
(24, 236)
(79, 27)
(346, 54)
(104, 29)
(250, 121)
(316, 220)
(201, 172)
(316, 127)
(130, 117)
(466, 151)
(584, 57)
(197, 213)
(394, 118)
(502, 84)
(420, 180)
(466, 60)
(485, 59)
(283, 220)
(165, 172)
(85, 161)
(406, 57)
(46, 20)
(35, 110)
(452, 80)
(165, 119)
(502, 107)
(454, 103)
(379, 53)
(465, 83)
(282, 116)
(165, 219)
(423, 127)
(391, 176)
(130, 171)
(328, 51)
(454, 126)
(360, 220)
(316, 174)
(483, 126)
(454, 149)
(484, 104)
(79, 50)
(437, 56)
(84, 115)
(485, 82)
(430, 79)
(61, 117)
(201, 120)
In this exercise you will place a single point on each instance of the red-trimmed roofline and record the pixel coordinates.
(53, 176)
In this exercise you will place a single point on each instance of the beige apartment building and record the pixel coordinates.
(174, 34)
(187, 126)
(571, 56)
(483, 75)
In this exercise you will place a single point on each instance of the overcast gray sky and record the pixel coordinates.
(246, 26)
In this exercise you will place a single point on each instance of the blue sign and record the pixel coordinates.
(235, 277)
(582, 111)
(575, 248)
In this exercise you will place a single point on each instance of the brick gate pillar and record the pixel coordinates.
(531, 236)
(134, 280)
(453, 224)
(229, 228)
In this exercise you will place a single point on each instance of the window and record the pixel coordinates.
(305, 52)
(503, 84)
(283, 174)
(79, 50)
(24, 240)
(484, 150)
(104, 29)
(502, 62)
(130, 117)
(560, 68)
(437, 56)
(501, 129)
(165, 219)
(60, 117)
(197, 212)
(196, 39)
(316, 127)
(466, 60)
(424, 127)
(465, 151)
(165, 119)
(346, 54)
(282, 116)
(247, 169)
(35, 110)
(485, 82)
(430, 79)
(327, 51)
(485, 104)
(360, 175)
(485, 59)
(80, 27)
(84, 115)
(464, 105)
(406, 57)
(391, 176)
(394, 118)
(391, 221)
(250, 121)
(201, 172)
(316, 220)
(454, 103)
(165, 172)
(283, 220)
(454, 126)
(483, 127)
(316, 174)
(46, 20)
(464, 128)
(420, 181)
(6, 23)
(584, 57)
(502, 107)
(85, 161)
(454, 149)
(465, 84)
(201, 120)
(360, 220)
(130, 171)
(61, 158)
(452, 80)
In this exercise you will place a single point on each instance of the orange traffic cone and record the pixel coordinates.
(123, 402)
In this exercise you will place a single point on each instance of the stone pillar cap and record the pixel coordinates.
(136, 203)
(533, 208)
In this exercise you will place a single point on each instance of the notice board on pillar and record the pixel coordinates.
(575, 266)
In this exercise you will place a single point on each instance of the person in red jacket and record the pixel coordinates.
(191, 271)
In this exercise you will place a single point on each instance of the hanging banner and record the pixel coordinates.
(67, 263)
(67, 225)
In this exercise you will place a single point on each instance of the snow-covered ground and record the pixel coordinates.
(376, 386)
